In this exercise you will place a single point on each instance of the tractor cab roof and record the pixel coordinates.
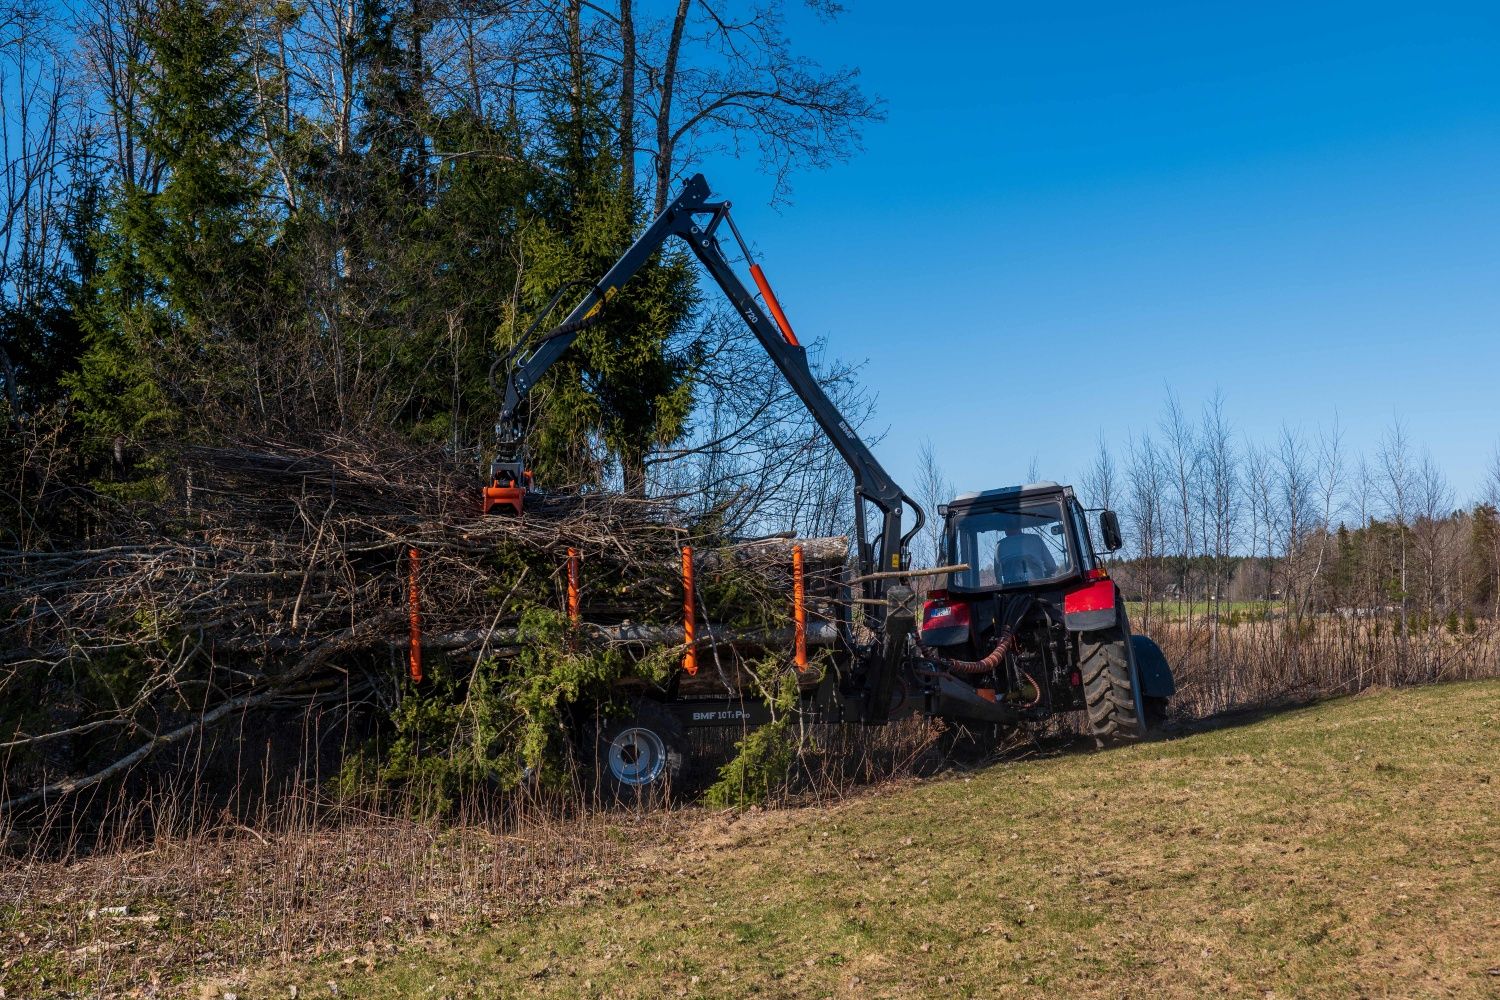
(980, 498)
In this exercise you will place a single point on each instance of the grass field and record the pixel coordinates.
(1345, 849)
(1176, 610)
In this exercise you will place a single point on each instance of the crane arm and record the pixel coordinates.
(695, 220)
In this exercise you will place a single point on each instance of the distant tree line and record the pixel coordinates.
(245, 218)
(1298, 525)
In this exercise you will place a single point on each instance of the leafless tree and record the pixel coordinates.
(270, 65)
(932, 488)
(1294, 483)
(1264, 517)
(1398, 488)
(1220, 475)
(111, 37)
(1328, 503)
(1364, 496)
(1145, 482)
(1433, 500)
(753, 451)
(1182, 456)
(722, 77)
(1098, 483)
(34, 85)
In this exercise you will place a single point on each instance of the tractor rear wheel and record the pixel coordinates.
(1111, 690)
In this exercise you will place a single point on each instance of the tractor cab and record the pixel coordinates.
(1020, 538)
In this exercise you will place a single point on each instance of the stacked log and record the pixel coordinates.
(271, 571)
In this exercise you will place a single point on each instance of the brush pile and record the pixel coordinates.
(275, 575)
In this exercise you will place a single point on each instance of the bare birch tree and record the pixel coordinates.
(1329, 503)
(1221, 502)
(932, 488)
(1098, 483)
(1181, 452)
(1398, 487)
(1145, 482)
(1433, 509)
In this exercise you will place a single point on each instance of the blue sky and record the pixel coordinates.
(1073, 206)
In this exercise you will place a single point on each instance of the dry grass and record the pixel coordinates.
(1268, 661)
(141, 921)
(1345, 849)
(166, 896)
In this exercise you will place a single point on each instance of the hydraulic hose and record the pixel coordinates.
(991, 661)
(1014, 613)
(528, 340)
(1033, 703)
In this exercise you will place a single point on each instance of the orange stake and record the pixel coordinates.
(799, 609)
(414, 607)
(573, 586)
(689, 624)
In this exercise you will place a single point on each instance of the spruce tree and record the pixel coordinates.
(626, 384)
(182, 267)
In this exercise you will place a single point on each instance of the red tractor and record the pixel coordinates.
(1034, 623)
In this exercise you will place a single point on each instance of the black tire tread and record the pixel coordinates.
(1104, 664)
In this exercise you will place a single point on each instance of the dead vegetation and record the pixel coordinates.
(1266, 660)
(272, 576)
(179, 895)
(135, 917)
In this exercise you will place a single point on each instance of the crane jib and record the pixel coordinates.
(774, 332)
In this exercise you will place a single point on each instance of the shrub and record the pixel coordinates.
(764, 758)
(505, 722)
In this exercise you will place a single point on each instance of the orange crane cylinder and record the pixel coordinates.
(773, 304)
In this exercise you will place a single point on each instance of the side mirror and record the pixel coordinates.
(942, 510)
(1109, 527)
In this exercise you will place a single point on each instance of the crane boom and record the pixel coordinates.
(696, 221)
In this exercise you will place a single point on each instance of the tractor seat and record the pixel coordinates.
(1023, 559)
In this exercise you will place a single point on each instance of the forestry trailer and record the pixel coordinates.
(1028, 623)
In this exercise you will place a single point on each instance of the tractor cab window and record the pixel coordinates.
(1086, 552)
(1019, 546)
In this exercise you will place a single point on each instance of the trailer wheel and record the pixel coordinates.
(638, 756)
(1116, 709)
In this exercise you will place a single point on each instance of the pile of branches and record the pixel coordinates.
(275, 574)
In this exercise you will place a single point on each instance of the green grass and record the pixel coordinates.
(1344, 849)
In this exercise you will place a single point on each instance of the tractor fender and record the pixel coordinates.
(1151, 667)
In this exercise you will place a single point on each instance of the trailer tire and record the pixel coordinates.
(639, 757)
(1116, 710)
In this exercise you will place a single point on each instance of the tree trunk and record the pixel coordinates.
(627, 98)
(664, 143)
